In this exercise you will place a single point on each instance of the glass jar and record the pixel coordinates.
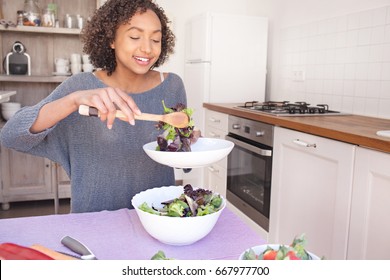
(32, 13)
(19, 18)
(48, 18)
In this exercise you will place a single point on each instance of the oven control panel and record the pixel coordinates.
(256, 131)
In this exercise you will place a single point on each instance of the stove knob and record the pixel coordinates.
(259, 133)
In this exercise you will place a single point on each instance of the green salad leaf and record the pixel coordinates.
(175, 139)
(160, 255)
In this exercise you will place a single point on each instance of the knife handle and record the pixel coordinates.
(76, 246)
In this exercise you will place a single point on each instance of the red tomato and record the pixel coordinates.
(291, 255)
(270, 255)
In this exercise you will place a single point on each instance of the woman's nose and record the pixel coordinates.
(146, 46)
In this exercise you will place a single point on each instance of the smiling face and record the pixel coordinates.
(137, 43)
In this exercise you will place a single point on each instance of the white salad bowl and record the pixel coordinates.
(261, 248)
(176, 231)
(203, 153)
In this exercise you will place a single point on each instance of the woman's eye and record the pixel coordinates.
(156, 41)
(134, 38)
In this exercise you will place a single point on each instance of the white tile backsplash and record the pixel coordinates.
(346, 60)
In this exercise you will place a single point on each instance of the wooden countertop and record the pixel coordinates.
(353, 129)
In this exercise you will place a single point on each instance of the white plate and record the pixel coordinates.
(203, 153)
(62, 74)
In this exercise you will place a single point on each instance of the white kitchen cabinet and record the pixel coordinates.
(24, 177)
(311, 192)
(215, 175)
(370, 223)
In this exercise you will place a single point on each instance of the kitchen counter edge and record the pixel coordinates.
(353, 129)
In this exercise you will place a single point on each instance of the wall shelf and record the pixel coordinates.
(32, 79)
(33, 29)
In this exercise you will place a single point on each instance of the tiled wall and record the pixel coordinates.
(345, 61)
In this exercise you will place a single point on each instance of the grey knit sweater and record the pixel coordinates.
(107, 167)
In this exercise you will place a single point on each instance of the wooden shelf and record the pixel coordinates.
(32, 79)
(33, 29)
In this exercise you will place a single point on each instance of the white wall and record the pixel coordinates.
(342, 46)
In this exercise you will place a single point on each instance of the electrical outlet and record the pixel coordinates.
(298, 75)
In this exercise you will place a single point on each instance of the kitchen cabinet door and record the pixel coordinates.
(311, 192)
(370, 223)
(215, 175)
(24, 177)
(215, 178)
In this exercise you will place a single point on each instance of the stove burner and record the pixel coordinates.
(284, 108)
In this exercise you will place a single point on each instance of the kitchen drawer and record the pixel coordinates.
(216, 120)
(215, 178)
(212, 132)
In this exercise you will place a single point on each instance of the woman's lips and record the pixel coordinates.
(142, 60)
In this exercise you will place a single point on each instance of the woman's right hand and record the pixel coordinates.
(108, 101)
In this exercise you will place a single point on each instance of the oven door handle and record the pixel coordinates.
(256, 150)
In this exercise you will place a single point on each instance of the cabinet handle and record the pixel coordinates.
(212, 134)
(212, 169)
(304, 144)
(215, 120)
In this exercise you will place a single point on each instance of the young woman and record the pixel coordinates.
(126, 40)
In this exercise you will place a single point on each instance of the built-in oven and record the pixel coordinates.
(250, 168)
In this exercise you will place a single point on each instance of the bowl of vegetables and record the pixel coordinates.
(295, 251)
(178, 215)
(204, 151)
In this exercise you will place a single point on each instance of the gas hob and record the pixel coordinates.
(288, 109)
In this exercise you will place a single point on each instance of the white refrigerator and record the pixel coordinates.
(226, 59)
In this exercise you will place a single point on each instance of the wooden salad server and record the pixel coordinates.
(176, 119)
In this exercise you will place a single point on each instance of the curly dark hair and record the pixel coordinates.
(99, 32)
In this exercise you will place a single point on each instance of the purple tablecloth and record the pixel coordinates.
(119, 235)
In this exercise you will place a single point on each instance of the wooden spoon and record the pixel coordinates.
(176, 119)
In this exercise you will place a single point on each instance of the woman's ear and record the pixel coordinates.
(112, 46)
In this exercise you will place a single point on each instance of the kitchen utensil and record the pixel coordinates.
(78, 247)
(61, 61)
(8, 109)
(85, 58)
(176, 119)
(75, 58)
(62, 69)
(75, 68)
(87, 67)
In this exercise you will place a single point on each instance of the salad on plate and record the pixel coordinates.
(296, 251)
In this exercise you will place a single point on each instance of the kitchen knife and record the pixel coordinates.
(78, 247)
